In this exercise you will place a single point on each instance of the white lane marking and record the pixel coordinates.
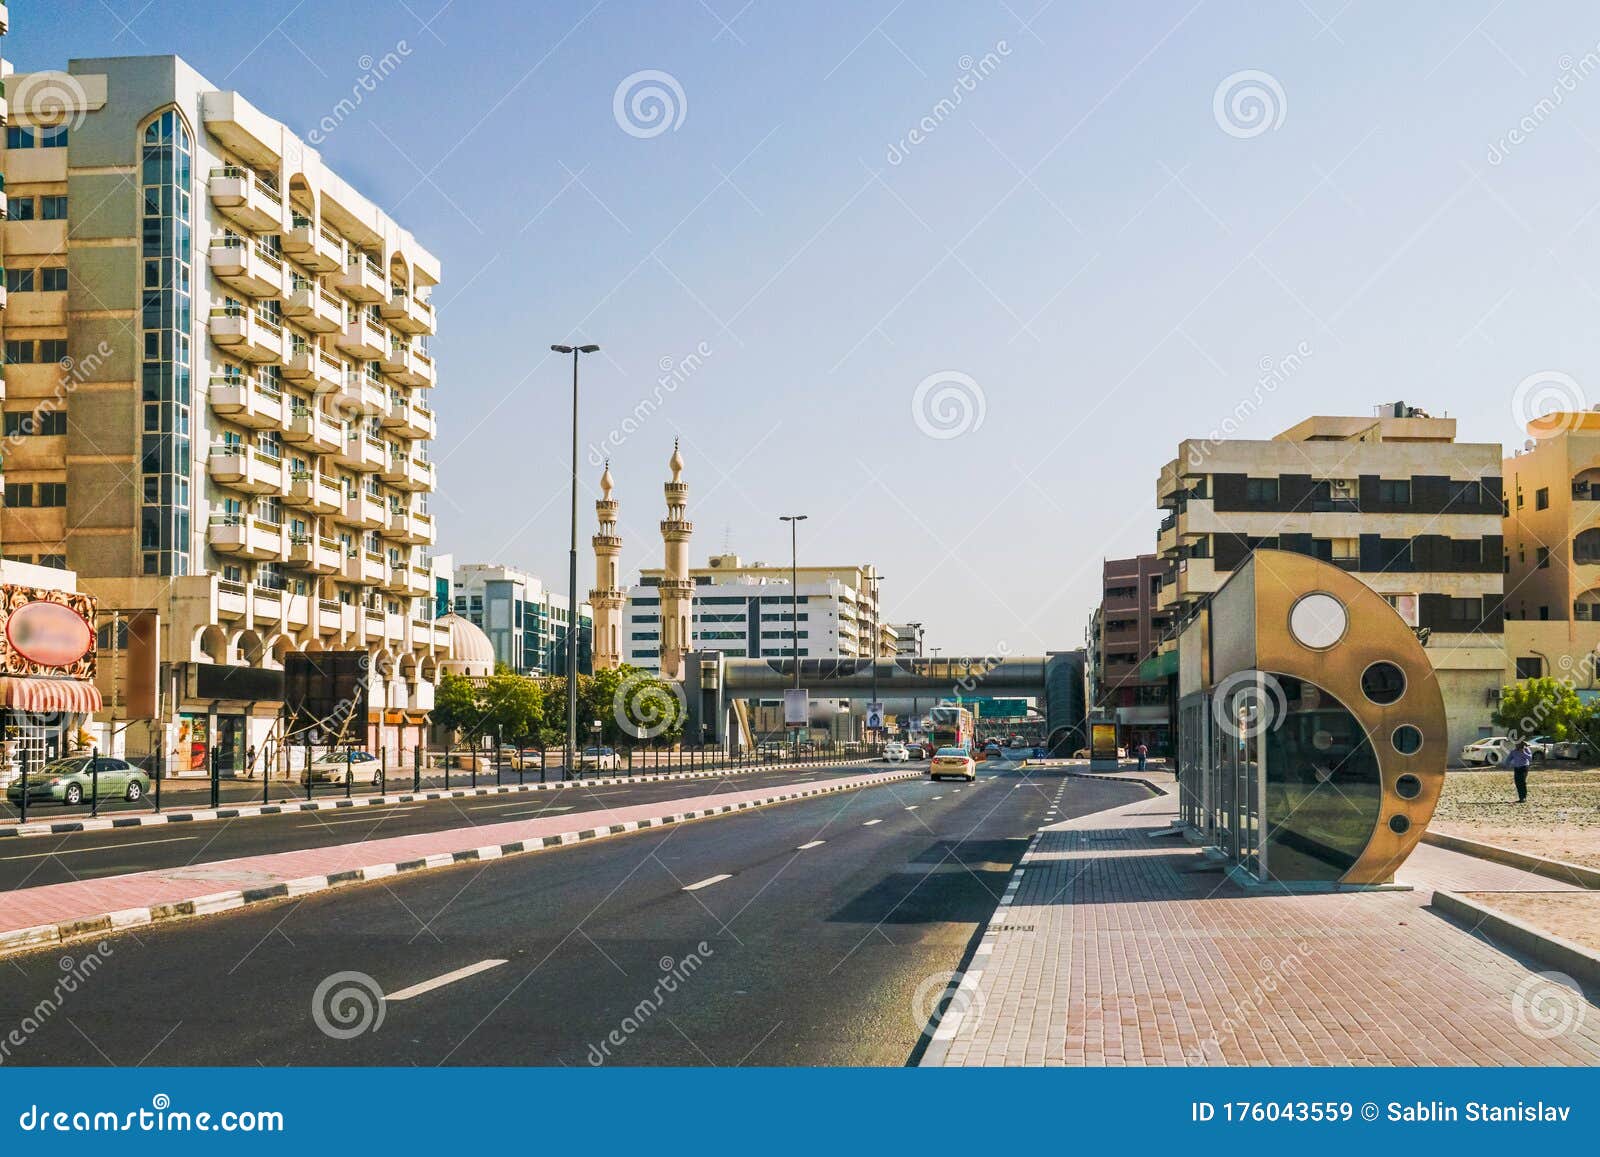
(106, 848)
(869, 823)
(707, 882)
(441, 981)
(912, 808)
(361, 819)
(812, 844)
(539, 811)
(938, 797)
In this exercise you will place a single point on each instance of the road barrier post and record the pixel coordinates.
(349, 769)
(216, 776)
(310, 779)
(94, 781)
(449, 755)
(416, 768)
(161, 763)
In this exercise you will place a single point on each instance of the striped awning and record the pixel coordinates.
(44, 695)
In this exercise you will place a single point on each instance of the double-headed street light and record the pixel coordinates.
(572, 565)
(794, 521)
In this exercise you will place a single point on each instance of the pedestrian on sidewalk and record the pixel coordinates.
(1518, 762)
(1144, 753)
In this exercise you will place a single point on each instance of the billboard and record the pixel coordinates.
(45, 632)
(795, 701)
(874, 716)
(325, 693)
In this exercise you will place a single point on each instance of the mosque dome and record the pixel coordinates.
(471, 653)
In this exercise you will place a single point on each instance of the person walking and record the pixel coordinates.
(1518, 761)
(1143, 753)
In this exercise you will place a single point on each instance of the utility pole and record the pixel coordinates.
(572, 564)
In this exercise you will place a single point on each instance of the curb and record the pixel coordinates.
(1538, 865)
(1156, 788)
(289, 807)
(1561, 954)
(45, 934)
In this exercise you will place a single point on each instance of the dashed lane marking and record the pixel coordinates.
(106, 848)
(707, 882)
(812, 844)
(441, 981)
(361, 819)
(869, 823)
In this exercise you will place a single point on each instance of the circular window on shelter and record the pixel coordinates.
(1318, 621)
(1407, 739)
(1383, 683)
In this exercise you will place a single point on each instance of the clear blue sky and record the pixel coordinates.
(1079, 236)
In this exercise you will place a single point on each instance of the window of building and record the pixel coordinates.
(20, 353)
(53, 279)
(20, 209)
(50, 494)
(53, 208)
(19, 495)
(1544, 557)
(53, 349)
(1466, 551)
(1261, 490)
(52, 136)
(20, 424)
(1394, 492)
(1541, 498)
(19, 281)
(1530, 667)
(19, 137)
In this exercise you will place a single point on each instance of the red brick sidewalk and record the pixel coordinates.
(139, 897)
(1120, 949)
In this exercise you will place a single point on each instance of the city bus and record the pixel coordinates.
(950, 726)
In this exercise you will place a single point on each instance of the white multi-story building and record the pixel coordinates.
(526, 622)
(218, 379)
(750, 611)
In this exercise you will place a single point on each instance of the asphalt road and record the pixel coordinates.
(818, 932)
(39, 860)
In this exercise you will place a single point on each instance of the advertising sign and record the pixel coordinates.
(1103, 741)
(46, 633)
(795, 701)
(874, 716)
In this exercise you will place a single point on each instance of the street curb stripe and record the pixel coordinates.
(10, 830)
(43, 934)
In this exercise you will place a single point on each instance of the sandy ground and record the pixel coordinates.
(1561, 818)
(1573, 916)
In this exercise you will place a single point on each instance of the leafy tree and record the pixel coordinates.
(455, 704)
(512, 704)
(1542, 706)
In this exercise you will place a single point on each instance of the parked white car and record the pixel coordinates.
(895, 752)
(332, 768)
(1489, 752)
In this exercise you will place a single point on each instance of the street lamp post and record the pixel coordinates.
(877, 580)
(794, 521)
(572, 564)
(916, 635)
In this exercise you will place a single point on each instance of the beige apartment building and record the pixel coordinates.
(1552, 533)
(217, 384)
(1392, 498)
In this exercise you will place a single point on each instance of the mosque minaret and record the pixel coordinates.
(677, 590)
(607, 597)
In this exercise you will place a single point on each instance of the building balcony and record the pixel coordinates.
(315, 248)
(313, 553)
(408, 365)
(363, 279)
(408, 314)
(408, 419)
(361, 452)
(313, 369)
(418, 475)
(314, 307)
(418, 582)
(244, 536)
(359, 394)
(246, 335)
(363, 338)
(247, 403)
(246, 268)
(242, 197)
(244, 468)
(409, 526)
(313, 431)
(309, 491)
(367, 567)
(363, 510)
